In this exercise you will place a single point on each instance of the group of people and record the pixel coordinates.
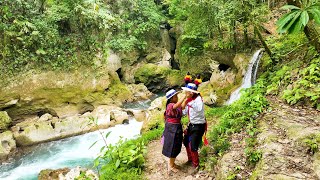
(190, 104)
(188, 79)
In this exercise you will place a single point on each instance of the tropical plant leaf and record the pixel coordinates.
(289, 27)
(117, 163)
(304, 18)
(284, 20)
(315, 14)
(291, 7)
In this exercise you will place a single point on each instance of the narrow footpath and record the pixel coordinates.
(156, 165)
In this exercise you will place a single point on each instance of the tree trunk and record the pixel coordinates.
(234, 34)
(264, 44)
(245, 34)
(312, 35)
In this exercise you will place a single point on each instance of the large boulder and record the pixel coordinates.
(7, 144)
(158, 78)
(139, 91)
(29, 133)
(158, 104)
(5, 120)
(118, 116)
(114, 61)
(139, 115)
(48, 128)
(153, 76)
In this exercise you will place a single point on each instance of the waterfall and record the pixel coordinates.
(249, 78)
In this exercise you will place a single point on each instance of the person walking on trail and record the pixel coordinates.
(198, 80)
(187, 79)
(173, 133)
(194, 108)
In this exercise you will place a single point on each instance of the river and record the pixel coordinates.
(69, 152)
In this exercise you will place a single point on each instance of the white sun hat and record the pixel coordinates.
(171, 93)
(191, 87)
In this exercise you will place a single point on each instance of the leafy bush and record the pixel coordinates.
(297, 82)
(239, 115)
(125, 160)
(253, 155)
(313, 143)
(306, 87)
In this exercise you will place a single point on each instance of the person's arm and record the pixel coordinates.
(184, 104)
(180, 102)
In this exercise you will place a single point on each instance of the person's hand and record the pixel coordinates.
(183, 96)
(189, 95)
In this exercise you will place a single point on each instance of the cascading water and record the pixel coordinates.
(69, 152)
(250, 77)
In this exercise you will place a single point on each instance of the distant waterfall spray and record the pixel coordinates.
(249, 78)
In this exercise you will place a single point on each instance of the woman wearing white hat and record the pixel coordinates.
(194, 108)
(173, 133)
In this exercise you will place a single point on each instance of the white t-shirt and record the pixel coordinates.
(196, 112)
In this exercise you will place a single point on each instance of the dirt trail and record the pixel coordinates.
(284, 130)
(156, 165)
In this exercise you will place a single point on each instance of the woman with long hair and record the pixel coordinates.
(173, 133)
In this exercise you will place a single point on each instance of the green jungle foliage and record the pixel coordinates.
(50, 34)
(296, 76)
(215, 23)
(240, 116)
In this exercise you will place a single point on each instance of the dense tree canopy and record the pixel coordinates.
(67, 33)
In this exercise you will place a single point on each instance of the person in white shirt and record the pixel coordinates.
(194, 109)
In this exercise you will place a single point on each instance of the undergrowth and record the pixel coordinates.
(125, 160)
(240, 116)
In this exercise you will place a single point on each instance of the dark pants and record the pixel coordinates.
(192, 140)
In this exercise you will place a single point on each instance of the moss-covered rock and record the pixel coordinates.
(158, 78)
(139, 91)
(49, 174)
(7, 144)
(155, 114)
(5, 120)
(8, 99)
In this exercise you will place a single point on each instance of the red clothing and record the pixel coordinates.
(173, 115)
